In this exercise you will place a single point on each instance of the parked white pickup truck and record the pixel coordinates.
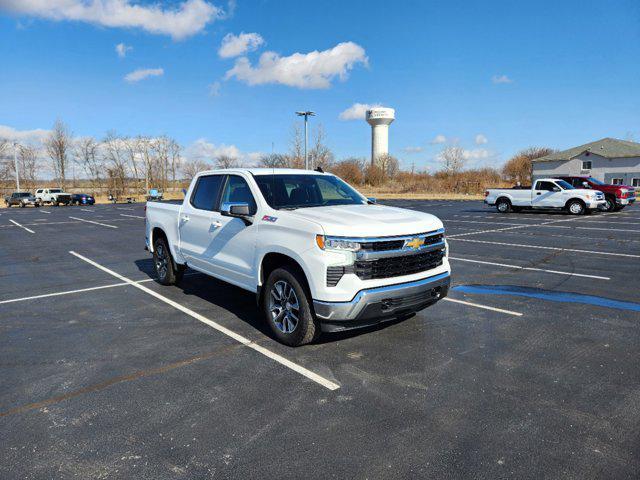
(318, 254)
(54, 196)
(547, 193)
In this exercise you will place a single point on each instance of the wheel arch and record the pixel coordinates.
(273, 260)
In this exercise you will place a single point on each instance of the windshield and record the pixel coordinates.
(302, 191)
(23, 194)
(595, 181)
(564, 185)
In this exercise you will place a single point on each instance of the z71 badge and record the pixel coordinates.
(267, 218)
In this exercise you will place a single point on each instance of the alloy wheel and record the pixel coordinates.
(284, 306)
(162, 262)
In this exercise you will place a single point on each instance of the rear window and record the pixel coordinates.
(206, 192)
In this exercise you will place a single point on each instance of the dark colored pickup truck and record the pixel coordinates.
(617, 196)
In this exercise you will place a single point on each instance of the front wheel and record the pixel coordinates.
(576, 207)
(287, 309)
(610, 204)
(169, 273)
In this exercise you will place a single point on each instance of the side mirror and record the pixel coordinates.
(555, 189)
(237, 210)
(371, 200)
(585, 185)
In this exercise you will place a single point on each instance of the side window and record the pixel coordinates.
(205, 193)
(237, 190)
(548, 186)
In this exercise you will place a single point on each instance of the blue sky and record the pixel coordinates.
(492, 76)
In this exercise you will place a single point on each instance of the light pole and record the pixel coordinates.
(306, 114)
(15, 163)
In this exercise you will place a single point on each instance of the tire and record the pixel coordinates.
(22, 205)
(169, 273)
(576, 207)
(619, 208)
(503, 205)
(610, 206)
(283, 291)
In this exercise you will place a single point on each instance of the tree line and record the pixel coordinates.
(122, 165)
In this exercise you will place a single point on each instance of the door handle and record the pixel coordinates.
(185, 218)
(539, 193)
(216, 224)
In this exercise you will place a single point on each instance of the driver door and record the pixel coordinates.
(545, 194)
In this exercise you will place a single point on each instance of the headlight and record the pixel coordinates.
(336, 243)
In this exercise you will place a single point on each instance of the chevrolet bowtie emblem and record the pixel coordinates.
(414, 243)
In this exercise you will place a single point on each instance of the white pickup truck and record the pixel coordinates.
(318, 254)
(546, 193)
(54, 196)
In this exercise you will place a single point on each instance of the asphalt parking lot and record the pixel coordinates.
(528, 370)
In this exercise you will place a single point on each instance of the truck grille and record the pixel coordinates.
(387, 267)
(397, 266)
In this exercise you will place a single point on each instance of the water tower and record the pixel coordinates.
(380, 118)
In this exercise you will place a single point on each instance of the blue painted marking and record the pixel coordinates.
(563, 297)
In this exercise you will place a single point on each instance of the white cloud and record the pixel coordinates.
(481, 139)
(142, 73)
(214, 89)
(303, 70)
(357, 111)
(476, 154)
(235, 45)
(122, 49)
(438, 139)
(206, 151)
(182, 21)
(413, 149)
(497, 79)
(28, 136)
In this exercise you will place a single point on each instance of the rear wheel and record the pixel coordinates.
(576, 207)
(503, 205)
(168, 272)
(287, 309)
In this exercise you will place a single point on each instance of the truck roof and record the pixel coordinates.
(265, 171)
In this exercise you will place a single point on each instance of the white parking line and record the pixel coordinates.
(21, 226)
(87, 210)
(91, 221)
(544, 224)
(545, 248)
(124, 208)
(230, 333)
(44, 211)
(132, 216)
(519, 267)
(484, 307)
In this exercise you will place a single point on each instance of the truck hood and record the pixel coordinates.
(368, 220)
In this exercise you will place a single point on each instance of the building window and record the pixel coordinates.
(616, 181)
(635, 182)
(586, 165)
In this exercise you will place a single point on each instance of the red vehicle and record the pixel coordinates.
(617, 196)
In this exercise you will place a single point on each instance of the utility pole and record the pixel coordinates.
(306, 114)
(15, 163)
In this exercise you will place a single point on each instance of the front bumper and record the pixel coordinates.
(625, 201)
(374, 305)
(595, 204)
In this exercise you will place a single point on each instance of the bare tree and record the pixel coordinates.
(452, 159)
(192, 168)
(87, 156)
(226, 161)
(28, 165)
(296, 151)
(5, 172)
(275, 160)
(115, 155)
(58, 146)
(519, 167)
(388, 164)
(320, 155)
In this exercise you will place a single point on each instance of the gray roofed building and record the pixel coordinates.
(609, 160)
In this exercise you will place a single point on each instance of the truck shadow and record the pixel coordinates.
(242, 303)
